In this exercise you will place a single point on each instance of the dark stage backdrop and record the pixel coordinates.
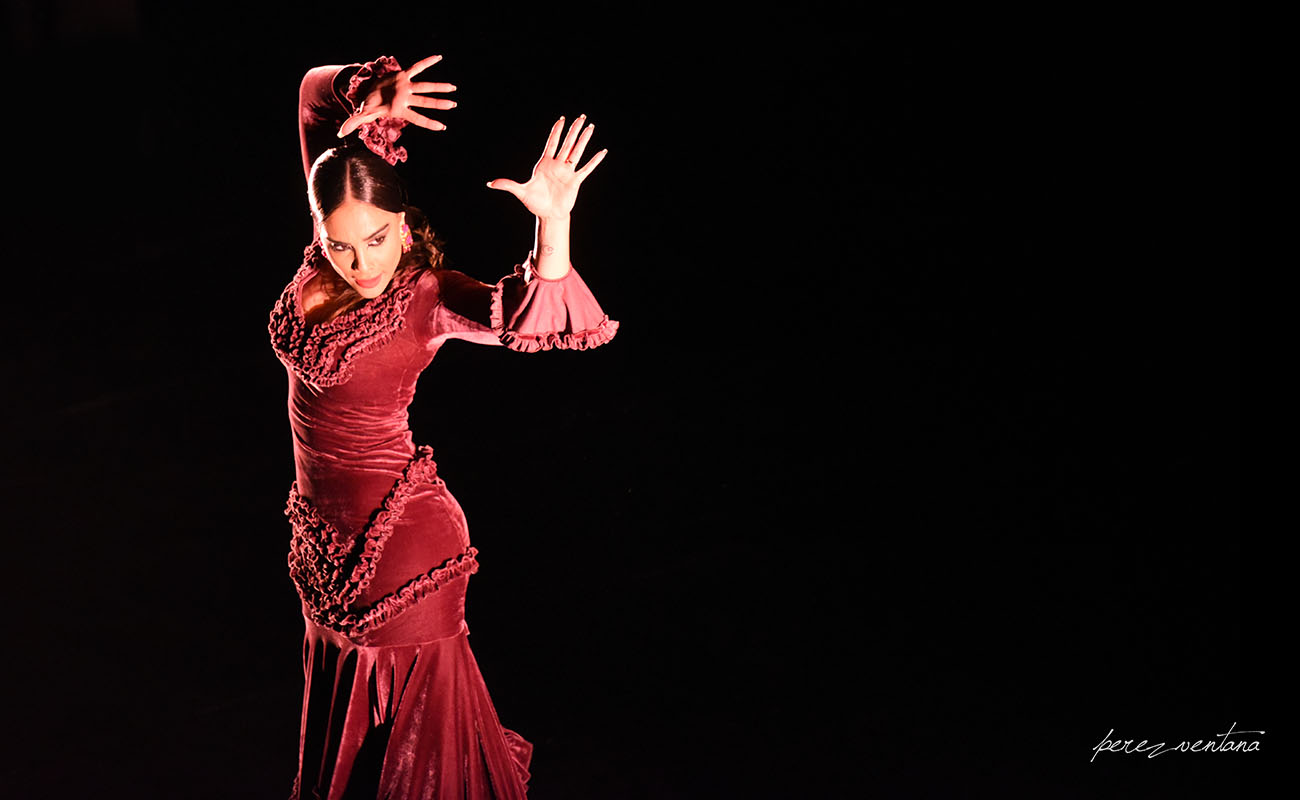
(912, 471)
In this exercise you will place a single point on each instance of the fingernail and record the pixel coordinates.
(453, 103)
(453, 88)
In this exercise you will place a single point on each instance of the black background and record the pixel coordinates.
(912, 470)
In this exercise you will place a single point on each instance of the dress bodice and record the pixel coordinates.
(352, 378)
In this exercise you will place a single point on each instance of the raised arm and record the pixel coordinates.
(551, 192)
(376, 100)
(322, 109)
(545, 304)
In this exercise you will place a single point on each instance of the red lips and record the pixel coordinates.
(373, 282)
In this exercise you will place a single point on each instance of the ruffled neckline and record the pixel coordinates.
(323, 354)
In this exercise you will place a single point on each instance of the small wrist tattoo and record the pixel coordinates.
(547, 249)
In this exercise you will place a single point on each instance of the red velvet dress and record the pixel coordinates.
(394, 705)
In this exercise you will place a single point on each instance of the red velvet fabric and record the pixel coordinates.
(394, 705)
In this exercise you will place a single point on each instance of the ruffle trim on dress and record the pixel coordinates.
(323, 355)
(578, 340)
(331, 572)
(587, 339)
(379, 135)
(466, 563)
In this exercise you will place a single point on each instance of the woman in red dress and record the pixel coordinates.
(394, 705)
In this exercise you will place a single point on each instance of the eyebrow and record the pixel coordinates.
(371, 236)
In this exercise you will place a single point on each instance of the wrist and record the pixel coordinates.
(550, 271)
(551, 247)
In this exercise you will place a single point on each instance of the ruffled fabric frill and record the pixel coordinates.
(531, 313)
(379, 135)
(324, 354)
(332, 571)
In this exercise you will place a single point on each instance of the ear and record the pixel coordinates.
(401, 218)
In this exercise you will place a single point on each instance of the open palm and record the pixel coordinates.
(553, 188)
(397, 96)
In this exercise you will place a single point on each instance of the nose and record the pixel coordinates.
(361, 266)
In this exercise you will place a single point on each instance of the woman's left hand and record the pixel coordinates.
(553, 188)
(396, 95)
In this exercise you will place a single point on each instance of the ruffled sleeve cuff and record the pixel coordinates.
(532, 313)
(379, 135)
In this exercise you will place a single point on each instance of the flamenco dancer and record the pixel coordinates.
(394, 705)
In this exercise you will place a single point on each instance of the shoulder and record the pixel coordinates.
(427, 292)
(428, 286)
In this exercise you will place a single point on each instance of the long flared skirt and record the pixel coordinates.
(411, 721)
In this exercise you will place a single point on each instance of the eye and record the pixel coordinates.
(339, 248)
(378, 240)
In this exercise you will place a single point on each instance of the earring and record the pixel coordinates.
(407, 241)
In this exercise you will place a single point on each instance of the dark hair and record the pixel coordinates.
(352, 170)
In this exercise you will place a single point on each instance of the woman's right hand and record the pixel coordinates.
(396, 95)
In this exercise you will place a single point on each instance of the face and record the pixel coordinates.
(364, 244)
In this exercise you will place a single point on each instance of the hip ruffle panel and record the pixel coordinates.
(367, 586)
(411, 721)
